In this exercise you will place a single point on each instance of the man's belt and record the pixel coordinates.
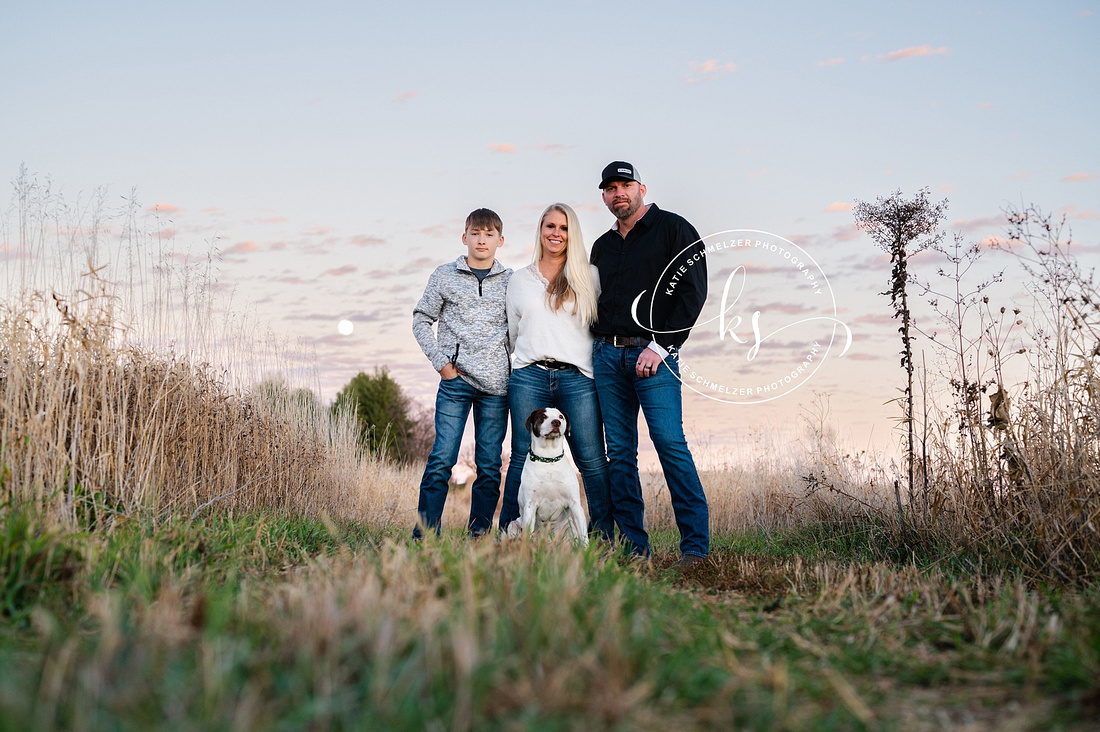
(552, 365)
(626, 341)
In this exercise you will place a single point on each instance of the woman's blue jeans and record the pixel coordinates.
(621, 392)
(533, 387)
(453, 402)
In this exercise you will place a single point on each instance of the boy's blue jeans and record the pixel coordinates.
(452, 407)
(531, 388)
(622, 392)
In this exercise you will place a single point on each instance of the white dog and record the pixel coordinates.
(549, 493)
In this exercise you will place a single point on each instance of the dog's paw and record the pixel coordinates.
(514, 529)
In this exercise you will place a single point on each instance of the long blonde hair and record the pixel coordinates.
(574, 280)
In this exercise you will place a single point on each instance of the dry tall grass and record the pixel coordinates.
(783, 485)
(126, 385)
(1013, 456)
(1009, 457)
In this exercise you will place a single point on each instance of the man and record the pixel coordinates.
(654, 282)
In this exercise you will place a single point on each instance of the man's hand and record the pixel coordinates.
(450, 371)
(648, 363)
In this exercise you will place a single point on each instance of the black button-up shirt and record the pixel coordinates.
(663, 260)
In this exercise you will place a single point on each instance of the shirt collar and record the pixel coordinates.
(648, 208)
(462, 265)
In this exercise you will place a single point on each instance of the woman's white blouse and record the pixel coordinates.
(538, 333)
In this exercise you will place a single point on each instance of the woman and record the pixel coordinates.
(551, 304)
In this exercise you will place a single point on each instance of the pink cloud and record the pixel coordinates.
(830, 62)
(165, 234)
(1000, 243)
(839, 207)
(984, 222)
(362, 240)
(847, 232)
(779, 307)
(406, 96)
(342, 270)
(912, 52)
(708, 70)
(758, 174)
(291, 280)
(875, 319)
(1076, 177)
(501, 147)
(1071, 212)
(437, 229)
(1019, 176)
(245, 247)
(863, 357)
(9, 252)
(713, 67)
(318, 231)
(163, 208)
(273, 220)
(879, 262)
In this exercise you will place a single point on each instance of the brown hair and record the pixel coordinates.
(483, 218)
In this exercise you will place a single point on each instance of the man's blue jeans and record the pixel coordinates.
(452, 407)
(622, 392)
(531, 388)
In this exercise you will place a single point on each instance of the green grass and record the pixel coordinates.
(267, 622)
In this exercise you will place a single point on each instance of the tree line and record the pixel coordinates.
(388, 423)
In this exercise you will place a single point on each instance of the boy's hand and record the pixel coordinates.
(450, 371)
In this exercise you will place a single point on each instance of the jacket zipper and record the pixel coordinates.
(481, 282)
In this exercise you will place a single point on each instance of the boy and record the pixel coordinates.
(470, 352)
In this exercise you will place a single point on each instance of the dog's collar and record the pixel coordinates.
(538, 459)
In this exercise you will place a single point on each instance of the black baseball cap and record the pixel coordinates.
(619, 170)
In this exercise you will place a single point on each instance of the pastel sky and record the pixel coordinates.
(328, 152)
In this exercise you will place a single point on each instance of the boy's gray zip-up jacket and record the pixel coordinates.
(473, 321)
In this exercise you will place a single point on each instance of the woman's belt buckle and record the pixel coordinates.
(550, 364)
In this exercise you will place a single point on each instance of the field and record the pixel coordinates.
(259, 621)
(182, 547)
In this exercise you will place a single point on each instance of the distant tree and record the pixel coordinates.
(276, 394)
(423, 434)
(902, 227)
(382, 411)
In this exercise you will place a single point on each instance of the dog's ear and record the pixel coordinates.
(534, 417)
(568, 423)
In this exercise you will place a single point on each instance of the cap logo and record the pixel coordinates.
(626, 170)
